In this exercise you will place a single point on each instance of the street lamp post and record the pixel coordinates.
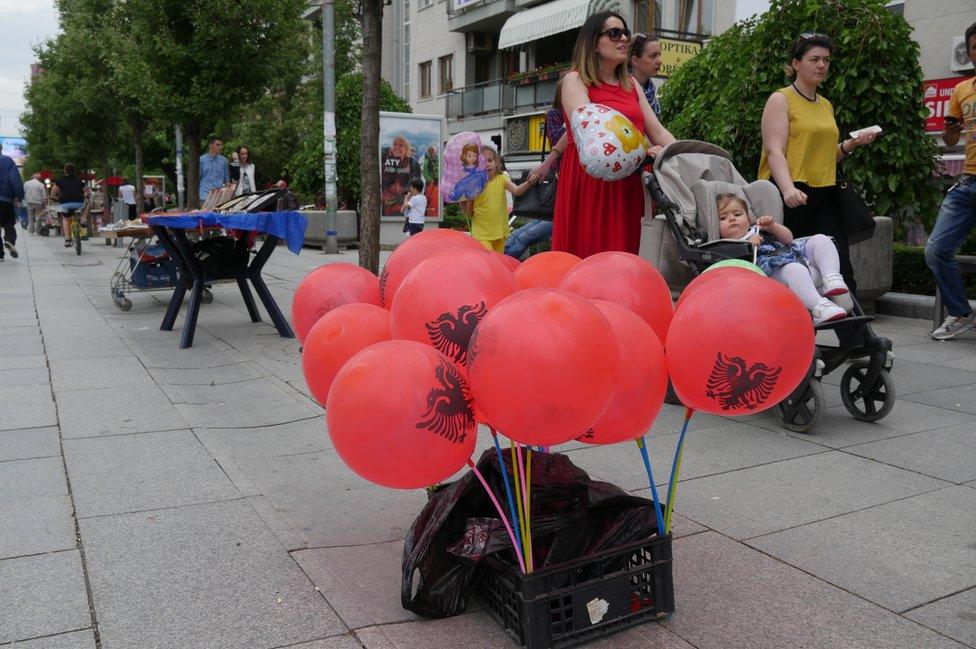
(328, 83)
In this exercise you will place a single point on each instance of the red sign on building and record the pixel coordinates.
(937, 92)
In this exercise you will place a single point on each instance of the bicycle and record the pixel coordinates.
(74, 227)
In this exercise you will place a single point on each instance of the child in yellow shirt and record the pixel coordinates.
(489, 209)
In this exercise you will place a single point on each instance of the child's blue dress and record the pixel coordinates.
(771, 254)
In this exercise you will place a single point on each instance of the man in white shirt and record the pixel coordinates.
(127, 193)
(35, 195)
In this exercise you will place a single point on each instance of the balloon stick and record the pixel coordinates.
(501, 513)
(675, 468)
(508, 486)
(650, 478)
(516, 471)
(528, 509)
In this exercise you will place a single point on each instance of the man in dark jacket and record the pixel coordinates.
(11, 194)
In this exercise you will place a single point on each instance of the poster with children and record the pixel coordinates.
(410, 147)
(464, 172)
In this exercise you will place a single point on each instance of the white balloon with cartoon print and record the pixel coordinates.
(610, 146)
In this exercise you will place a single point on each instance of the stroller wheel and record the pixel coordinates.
(800, 411)
(207, 296)
(866, 403)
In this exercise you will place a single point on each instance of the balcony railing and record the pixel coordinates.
(500, 96)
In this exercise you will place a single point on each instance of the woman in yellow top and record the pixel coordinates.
(489, 209)
(801, 149)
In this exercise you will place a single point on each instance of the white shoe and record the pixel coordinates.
(826, 311)
(833, 284)
(844, 301)
(954, 325)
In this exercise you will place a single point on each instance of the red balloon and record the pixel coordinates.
(399, 414)
(335, 338)
(511, 263)
(328, 287)
(739, 345)
(443, 299)
(543, 366)
(705, 279)
(545, 270)
(416, 249)
(641, 383)
(627, 280)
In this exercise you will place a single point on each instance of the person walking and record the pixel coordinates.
(246, 182)
(214, 172)
(127, 193)
(11, 193)
(800, 153)
(957, 215)
(35, 195)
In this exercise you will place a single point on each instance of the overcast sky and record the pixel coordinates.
(747, 8)
(25, 23)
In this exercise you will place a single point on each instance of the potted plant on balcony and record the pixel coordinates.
(543, 73)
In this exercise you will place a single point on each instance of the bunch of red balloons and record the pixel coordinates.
(550, 350)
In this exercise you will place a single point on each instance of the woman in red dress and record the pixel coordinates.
(593, 215)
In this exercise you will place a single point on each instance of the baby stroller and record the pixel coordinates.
(684, 241)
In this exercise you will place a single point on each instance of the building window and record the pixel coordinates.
(424, 70)
(696, 16)
(423, 4)
(406, 56)
(445, 65)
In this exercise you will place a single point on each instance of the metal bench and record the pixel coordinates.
(967, 264)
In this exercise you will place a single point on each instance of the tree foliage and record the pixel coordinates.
(874, 78)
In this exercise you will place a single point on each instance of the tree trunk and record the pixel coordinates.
(137, 132)
(106, 195)
(193, 198)
(369, 136)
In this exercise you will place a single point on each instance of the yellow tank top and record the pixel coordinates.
(811, 149)
(489, 219)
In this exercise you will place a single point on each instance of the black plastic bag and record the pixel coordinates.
(572, 516)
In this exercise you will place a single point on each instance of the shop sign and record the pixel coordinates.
(674, 53)
(937, 93)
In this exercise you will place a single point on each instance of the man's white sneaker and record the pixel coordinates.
(826, 311)
(833, 284)
(953, 326)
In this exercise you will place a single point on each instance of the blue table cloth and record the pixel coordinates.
(289, 226)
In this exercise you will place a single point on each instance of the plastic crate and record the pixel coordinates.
(582, 600)
(153, 274)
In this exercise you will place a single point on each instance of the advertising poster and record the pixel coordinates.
(410, 147)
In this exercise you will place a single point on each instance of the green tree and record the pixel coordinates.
(875, 78)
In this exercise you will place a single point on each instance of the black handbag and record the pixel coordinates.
(856, 221)
(539, 201)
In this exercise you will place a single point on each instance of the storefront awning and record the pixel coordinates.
(551, 18)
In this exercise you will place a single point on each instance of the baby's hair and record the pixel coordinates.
(464, 151)
(724, 199)
(417, 184)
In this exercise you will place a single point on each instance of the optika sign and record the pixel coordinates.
(937, 93)
(674, 53)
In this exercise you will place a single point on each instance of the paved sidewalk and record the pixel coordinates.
(153, 497)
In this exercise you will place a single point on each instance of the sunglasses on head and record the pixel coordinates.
(616, 34)
(808, 35)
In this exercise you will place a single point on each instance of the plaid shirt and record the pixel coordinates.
(651, 93)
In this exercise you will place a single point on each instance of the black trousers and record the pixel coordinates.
(821, 215)
(8, 220)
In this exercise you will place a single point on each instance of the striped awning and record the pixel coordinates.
(552, 18)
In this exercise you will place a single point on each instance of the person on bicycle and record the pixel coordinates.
(70, 191)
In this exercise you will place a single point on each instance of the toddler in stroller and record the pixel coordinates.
(687, 179)
(810, 266)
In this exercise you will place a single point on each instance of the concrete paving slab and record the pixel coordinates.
(937, 352)
(87, 374)
(305, 436)
(290, 537)
(28, 406)
(256, 404)
(112, 475)
(954, 616)
(944, 453)
(33, 348)
(912, 376)
(35, 525)
(346, 641)
(73, 640)
(96, 347)
(12, 339)
(22, 362)
(221, 577)
(457, 631)
(32, 478)
(113, 411)
(900, 555)
(232, 373)
(42, 595)
(781, 495)
(732, 446)
(29, 443)
(728, 596)
(331, 505)
(202, 355)
(23, 377)
(961, 399)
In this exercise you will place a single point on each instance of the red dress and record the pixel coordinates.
(593, 215)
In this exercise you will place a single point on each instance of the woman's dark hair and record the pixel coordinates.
(584, 52)
(238, 151)
(637, 43)
(970, 32)
(70, 169)
(806, 42)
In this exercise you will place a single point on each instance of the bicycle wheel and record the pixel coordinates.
(76, 235)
